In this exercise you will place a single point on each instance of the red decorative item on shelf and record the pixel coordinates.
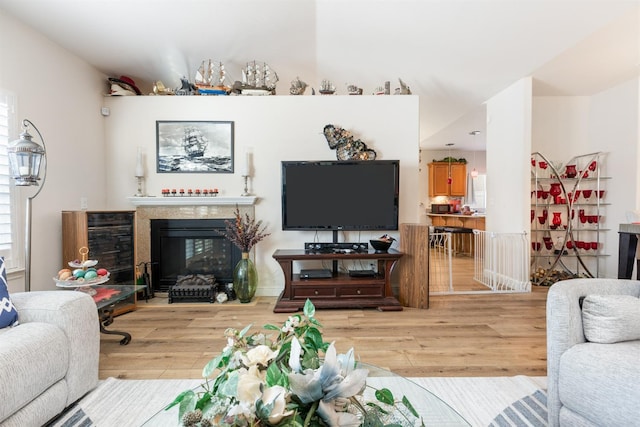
(557, 219)
(586, 193)
(571, 171)
(555, 189)
(543, 165)
(536, 246)
(592, 166)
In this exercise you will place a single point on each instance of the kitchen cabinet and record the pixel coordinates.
(439, 176)
(567, 218)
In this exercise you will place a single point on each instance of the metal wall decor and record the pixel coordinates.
(347, 148)
(194, 146)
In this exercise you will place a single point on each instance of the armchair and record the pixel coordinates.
(593, 382)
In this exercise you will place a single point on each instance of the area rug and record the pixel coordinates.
(484, 401)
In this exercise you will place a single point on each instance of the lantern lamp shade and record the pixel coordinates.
(25, 158)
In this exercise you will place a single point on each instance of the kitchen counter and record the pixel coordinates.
(457, 220)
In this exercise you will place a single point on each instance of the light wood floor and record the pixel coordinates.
(459, 335)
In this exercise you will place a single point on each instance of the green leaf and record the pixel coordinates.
(409, 406)
(313, 337)
(230, 387)
(178, 399)
(212, 365)
(187, 404)
(270, 327)
(309, 309)
(245, 330)
(204, 401)
(274, 375)
(385, 396)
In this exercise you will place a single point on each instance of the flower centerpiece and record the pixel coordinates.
(290, 379)
(244, 232)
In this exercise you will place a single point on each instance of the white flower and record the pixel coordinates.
(294, 356)
(249, 382)
(259, 355)
(327, 382)
(277, 396)
(327, 412)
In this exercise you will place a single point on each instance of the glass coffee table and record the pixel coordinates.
(107, 298)
(432, 409)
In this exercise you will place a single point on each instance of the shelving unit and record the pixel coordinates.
(567, 216)
(109, 235)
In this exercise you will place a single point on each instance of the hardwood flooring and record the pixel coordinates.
(459, 335)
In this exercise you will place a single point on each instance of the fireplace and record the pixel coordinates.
(190, 247)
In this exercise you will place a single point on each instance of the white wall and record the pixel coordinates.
(508, 149)
(613, 128)
(61, 95)
(276, 128)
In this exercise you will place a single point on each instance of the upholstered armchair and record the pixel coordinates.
(593, 352)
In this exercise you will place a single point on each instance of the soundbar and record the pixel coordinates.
(332, 247)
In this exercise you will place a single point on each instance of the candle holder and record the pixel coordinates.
(246, 186)
(139, 192)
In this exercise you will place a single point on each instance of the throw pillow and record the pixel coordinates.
(8, 312)
(609, 319)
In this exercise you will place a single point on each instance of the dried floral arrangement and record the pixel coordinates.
(244, 231)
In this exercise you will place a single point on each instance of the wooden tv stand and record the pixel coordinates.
(341, 290)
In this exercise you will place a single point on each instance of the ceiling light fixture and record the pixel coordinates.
(450, 179)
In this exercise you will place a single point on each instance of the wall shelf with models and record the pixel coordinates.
(568, 202)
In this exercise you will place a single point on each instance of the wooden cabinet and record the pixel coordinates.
(340, 290)
(439, 176)
(110, 236)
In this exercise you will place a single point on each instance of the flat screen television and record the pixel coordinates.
(340, 195)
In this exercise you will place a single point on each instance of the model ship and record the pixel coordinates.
(258, 79)
(326, 87)
(210, 78)
(194, 142)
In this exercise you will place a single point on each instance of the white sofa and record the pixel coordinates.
(593, 353)
(50, 359)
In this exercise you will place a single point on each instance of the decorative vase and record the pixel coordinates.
(245, 279)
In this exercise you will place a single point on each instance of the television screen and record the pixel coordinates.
(340, 195)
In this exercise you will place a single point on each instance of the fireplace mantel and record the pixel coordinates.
(193, 201)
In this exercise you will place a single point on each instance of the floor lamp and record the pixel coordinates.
(25, 158)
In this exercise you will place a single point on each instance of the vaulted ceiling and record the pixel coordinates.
(453, 54)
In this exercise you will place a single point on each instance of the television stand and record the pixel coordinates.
(341, 290)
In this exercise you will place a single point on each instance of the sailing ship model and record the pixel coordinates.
(210, 78)
(194, 142)
(258, 79)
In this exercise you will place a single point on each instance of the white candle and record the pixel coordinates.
(244, 166)
(139, 166)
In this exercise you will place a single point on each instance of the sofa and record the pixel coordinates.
(593, 352)
(50, 359)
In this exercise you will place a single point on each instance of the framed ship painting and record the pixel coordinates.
(194, 146)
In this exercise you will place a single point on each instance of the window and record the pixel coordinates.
(8, 246)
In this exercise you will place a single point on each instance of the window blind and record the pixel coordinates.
(7, 120)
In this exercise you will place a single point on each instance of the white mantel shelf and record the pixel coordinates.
(193, 201)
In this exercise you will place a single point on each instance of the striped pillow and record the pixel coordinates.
(8, 312)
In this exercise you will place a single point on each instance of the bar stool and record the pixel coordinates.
(462, 240)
